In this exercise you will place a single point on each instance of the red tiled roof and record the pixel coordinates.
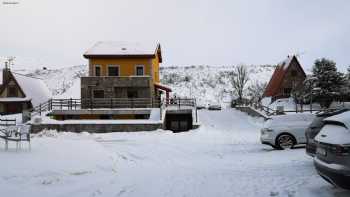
(276, 80)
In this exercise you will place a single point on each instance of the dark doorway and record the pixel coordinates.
(179, 122)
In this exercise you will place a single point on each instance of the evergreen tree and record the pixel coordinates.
(328, 81)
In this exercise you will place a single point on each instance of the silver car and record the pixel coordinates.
(286, 131)
(332, 160)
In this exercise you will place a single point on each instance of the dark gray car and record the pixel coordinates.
(332, 159)
(315, 128)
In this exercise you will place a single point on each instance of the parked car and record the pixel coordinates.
(214, 107)
(332, 159)
(315, 128)
(286, 131)
(199, 107)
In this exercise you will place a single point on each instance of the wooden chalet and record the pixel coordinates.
(19, 92)
(287, 77)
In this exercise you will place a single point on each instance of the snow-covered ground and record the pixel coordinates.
(222, 158)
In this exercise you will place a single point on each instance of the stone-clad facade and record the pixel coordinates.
(117, 87)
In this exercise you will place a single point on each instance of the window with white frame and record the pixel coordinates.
(140, 70)
(113, 70)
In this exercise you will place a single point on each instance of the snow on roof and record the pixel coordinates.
(285, 64)
(14, 99)
(34, 88)
(122, 48)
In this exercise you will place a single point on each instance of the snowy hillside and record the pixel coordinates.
(206, 83)
(61, 81)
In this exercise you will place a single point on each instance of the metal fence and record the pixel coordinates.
(76, 104)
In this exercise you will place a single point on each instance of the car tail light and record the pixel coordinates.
(341, 150)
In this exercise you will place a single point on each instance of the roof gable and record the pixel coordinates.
(113, 49)
(278, 75)
(7, 83)
(33, 88)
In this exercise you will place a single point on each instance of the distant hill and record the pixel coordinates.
(207, 84)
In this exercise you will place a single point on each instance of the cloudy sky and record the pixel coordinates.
(191, 32)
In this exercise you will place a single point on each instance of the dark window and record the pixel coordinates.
(132, 93)
(139, 70)
(12, 91)
(105, 117)
(287, 91)
(97, 71)
(113, 71)
(294, 73)
(99, 94)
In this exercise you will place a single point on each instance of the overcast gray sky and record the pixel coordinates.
(211, 32)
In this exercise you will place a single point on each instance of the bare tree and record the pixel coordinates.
(256, 91)
(239, 80)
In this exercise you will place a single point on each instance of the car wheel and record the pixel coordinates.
(285, 141)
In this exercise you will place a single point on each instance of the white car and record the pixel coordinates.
(214, 106)
(286, 131)
(332, 159)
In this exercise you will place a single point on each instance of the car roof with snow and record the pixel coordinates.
(293, 117)
(343, 118)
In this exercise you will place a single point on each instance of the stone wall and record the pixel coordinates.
(96, 128)
(116, 87)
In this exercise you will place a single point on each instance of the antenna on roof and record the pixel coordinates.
(9, 62)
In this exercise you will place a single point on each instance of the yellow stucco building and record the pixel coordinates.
(123, 70)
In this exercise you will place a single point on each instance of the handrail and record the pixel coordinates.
(11, 122)
(74, 104)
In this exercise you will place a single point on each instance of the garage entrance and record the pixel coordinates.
(179, 122)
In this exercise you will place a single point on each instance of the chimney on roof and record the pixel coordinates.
(6, 73)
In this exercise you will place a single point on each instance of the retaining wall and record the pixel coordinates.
(96, 128)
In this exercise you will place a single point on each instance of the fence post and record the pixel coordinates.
(195, 105)
(160, 111)
(40, 109)
(71, 104)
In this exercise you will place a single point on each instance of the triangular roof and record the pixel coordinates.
(278, 75)
(33, 89)
(110, 49)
